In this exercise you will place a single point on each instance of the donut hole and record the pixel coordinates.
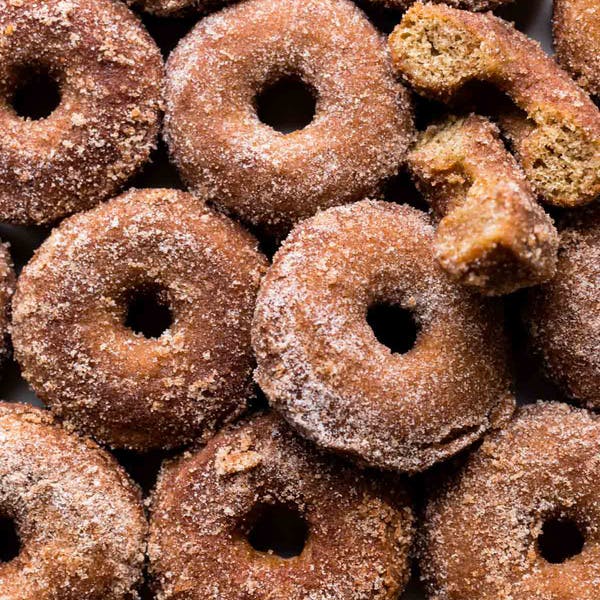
(278, 529)
(37, 94)
(393, 326)
(148, 312)
(560, 540)
(287, 104)
(10, 544)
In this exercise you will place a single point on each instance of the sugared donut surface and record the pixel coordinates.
(70, 311)
(321, 365)
(207, 505)
(109, 76)
(488, 531)
(358, 136)
(79, 519)
(7, 288)
(563, 315)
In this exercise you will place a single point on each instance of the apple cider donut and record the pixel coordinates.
(321, 365)
(7, 288)
(82, 356)
(107, 74)
(488, 530)
(563, 315)
(79, 519)
(491, 234)
(353, 532)
(439, 49)
(358, 136)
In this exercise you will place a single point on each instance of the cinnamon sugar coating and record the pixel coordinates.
(481, 528)
(7, 288)
(359, 134)
(125, 389)
(359, 527)
(492, 235)
(109, 72)
(321, 366)
(563, 315)
(439, 49)
(79, 518)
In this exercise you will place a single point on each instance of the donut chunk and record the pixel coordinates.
(491, 235)
(359, 134)
(439, 49)
(77, 352)
(473, 5)
(79, 519)
(109, 75)
(320, 364)
(7, 288)
(563, 315)
(484, 529)
(207, 503)
(577, 40)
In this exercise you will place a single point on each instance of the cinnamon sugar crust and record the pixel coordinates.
(321, 366)
(480, 537)
(109, 73)
(125, 389)
(359, 527)
(359, 134)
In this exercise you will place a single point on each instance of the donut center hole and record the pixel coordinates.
(393, 326)
(37, 95)
(10, 544)
(277, 529)
(148, 313)
(560, 540)
(287, 105)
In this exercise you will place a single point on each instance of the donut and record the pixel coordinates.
(79, 519)
(491, 235)
(7, 288)
(577, 40)
(359, 134)
(97, 372)
(353, 531)
(321, 365)
(487, 531)
(563, 315)
(107, 73)
(473, 5)
(556, 136)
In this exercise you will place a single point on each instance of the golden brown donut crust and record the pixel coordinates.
(79, 518)
(321, 366)
(492, 235)
(121, 387)
(479, 538)
(360, 527)
(439, 49)
(7, 289)
(577, 40)
(563, 315)
(358, 137)
(110, 74)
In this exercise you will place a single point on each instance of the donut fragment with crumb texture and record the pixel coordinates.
(321, 365)
(126, 388)
(472, 5)
(108, 73)
(357, 138)
(7, 289)
(487, 530)
(358, 528)
(78, 517)
(439, 50)
(491, 235)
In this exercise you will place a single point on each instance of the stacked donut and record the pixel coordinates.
(327, 416)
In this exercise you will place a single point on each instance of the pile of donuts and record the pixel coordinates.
(307, 454)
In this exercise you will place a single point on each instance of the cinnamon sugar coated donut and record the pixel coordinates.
(487, 531)
(127, 389)
(320, 364)
(563, 315)
(79, 519)
(358, 136)
(108, 73)
(7, 288)
(207, 504)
